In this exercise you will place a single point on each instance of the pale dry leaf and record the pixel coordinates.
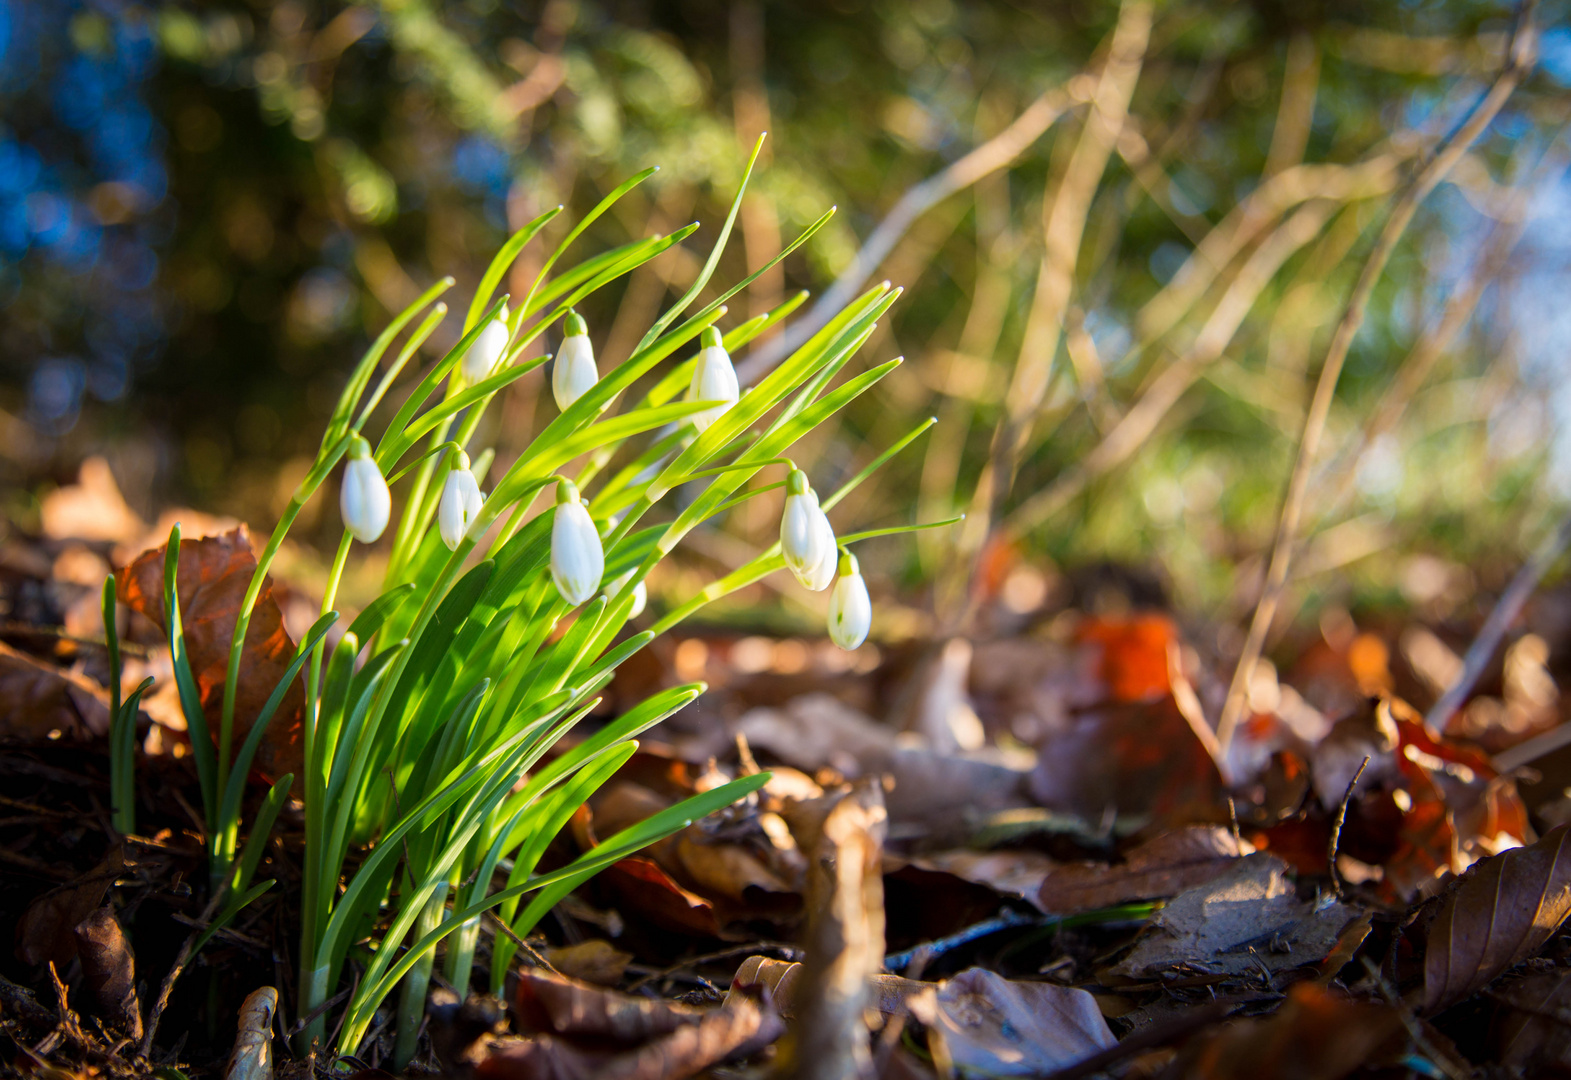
(1246, 919)
(994, 1027)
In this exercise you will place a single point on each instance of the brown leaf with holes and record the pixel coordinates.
(109, 970)
(1503, 910)
(41, 701)
(1163, 866)
(213, 577)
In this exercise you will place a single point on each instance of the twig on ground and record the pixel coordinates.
(523, 946)
(1519, 59)
(181, 959)
(1336, 828)
(1495, 626)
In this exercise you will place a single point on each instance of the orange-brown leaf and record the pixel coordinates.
(214, 574)
(1501, 913)
(41, 701)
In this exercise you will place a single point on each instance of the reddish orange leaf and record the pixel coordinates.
(214, 574)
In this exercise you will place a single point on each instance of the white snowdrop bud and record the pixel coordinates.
(806, 538)
(575, 370)
(460, 503)
(363, 498)
(850, 609)
(816, 578)
(640, 594)
(486, 352)
(714, 379)
(577, 559)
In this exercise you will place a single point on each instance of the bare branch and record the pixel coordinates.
(1520, 58)
(991, 156)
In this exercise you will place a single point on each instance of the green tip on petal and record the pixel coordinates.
(710, 338)
(796, 483)
(575, 325)
(848, 564)
(566, 492)
(358, 447)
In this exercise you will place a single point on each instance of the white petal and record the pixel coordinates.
(486, 352)
(577, 559)
(640, 594)
(575, 372)
(800, 538)
(816, 578)
(458, 507)
(850, 612)
(714, 379)
(363, 500)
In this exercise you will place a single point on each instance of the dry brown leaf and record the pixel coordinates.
(1163, 866)
(213, 577)
(252, 1058)
(551, 1004)
(1013, 873)
(41, 701)
(593, 961)
(90, 509)
(889, 994)
(1247, 918)
(1532, 1030)
(741, 1027)
(1315, 1035)
(47, 930)
(1501, 912)
(845, 933)
(1135, 759)
(993, 1027)
(109, 970)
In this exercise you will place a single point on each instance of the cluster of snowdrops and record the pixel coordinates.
(807, 540)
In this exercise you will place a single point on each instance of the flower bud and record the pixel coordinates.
(460, 503)
(363, 498)
(806, 539)
(816, 578)
(577, 559)
(850, 609)
(575, 370)
(714, 379)
(640, 594)
(486, 352)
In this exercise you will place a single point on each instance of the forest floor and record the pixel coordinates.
(1010, 855)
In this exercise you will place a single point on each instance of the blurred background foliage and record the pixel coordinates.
(206, 210)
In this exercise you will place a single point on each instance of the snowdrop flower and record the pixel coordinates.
(806, 540)
(460, 503)
(818, 576)
(486, 352)
(575, 370)
(363, 498)
(640, 594)
(714, 379)
(577, 559)
(850, 610)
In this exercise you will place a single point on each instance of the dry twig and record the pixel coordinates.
(1519, 60)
